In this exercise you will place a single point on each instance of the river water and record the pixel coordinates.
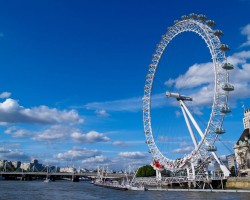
(60, 190)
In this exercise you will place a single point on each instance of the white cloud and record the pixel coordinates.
(119, 143)
(132, 155)
(183, 150)
(90, 137)
(17, 132)
(7, 154)
(97, 160)
(197, 75)
(199, 80)
(12, 112)
(132, 105)
(102, 113)
(53, 133)
(78, 154)
(5, 95)
(246, 31)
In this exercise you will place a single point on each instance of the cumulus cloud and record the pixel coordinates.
(197, 75)
(7, 154)
(49, 134)
(132, 155)
(78, 154)
(97, 160)
(17, 132)
(199, 80)
(53, 133)
(5, 95)
(12, 112)
(246, 31)
(90, 137)
(183, 150)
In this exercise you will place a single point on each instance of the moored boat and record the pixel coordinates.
(113, 185)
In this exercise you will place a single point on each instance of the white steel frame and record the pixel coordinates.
(220, 99)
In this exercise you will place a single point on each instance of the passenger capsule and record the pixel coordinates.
(210, 23)
(202, 17)
(228, 87)
(225, 109)
(218, 33)
(149, 76)
(211, 148)
(156, 56)
(224, 47)
(176, 21)
(219, 130)
(193, 16)
(227, 66)
(184, 17)
(165, 37)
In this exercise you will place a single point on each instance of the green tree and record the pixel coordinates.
(232, 170)
(146, 171)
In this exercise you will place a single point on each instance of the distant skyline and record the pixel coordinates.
(73, 74)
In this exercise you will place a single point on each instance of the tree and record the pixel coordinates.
(232, 170)
(146, 171)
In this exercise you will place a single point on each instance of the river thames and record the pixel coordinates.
(39, 190)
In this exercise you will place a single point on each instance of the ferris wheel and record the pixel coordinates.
(204, 148)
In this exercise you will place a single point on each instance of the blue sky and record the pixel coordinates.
(73, 73)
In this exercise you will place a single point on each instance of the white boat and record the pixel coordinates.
(132, 186)
(47, 180)
(136, 188)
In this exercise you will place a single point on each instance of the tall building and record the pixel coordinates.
(246, 119)
(230, 161)
(16, 164)
(33, 166)
(242, 147)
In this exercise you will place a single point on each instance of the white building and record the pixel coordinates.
(2, 162)
(246, 119)
(16, 164)
(25, 166)
(230, 161)
(33, 166)
(242, 147)
(68, 169)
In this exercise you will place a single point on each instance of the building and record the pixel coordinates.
(16, 164)
(68, 169)
(2, 162)
(246, 119)
(230, 161)
(25, 166)
(242, 147)
(32, 166)
(217, 166)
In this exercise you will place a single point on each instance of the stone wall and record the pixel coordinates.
(238, 183)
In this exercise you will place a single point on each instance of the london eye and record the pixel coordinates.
(203, 140)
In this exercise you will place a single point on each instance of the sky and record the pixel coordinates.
(73, 74)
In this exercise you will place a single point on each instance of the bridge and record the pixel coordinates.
(60, 175)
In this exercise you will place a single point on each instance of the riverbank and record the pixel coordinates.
(242, 183)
